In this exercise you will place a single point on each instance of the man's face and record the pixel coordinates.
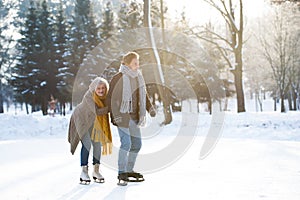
(134, 65)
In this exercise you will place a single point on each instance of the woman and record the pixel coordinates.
(128, 102)
(89, 124)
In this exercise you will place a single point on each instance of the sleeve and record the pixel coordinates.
(112, 99)
(92, 106)
(150, 107)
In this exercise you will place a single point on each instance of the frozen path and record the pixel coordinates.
(236, 169)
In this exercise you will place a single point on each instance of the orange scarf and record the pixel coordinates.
(101, 131)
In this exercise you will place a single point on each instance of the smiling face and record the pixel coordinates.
(101, 90)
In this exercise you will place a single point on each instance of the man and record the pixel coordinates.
(128, 102)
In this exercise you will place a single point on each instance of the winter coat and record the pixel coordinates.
(114, 99)
(83, 118)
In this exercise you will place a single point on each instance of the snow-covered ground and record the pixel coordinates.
(256, 157)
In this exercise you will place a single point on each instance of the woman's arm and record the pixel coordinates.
(88, 99)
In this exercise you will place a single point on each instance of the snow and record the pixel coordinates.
(257, 157)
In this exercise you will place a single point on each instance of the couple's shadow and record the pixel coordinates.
(119, 192)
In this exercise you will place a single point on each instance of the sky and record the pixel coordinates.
(199, 11)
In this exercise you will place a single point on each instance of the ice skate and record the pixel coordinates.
(123, 179)
(96, 174)
(135, 177)
(84, 176)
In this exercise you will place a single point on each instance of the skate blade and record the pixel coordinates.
(131, 179)
(84, 182)
(122, 183)
(99, 180)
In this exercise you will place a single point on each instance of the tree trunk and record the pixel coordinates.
(282, 109)
(146, 13)
(290, 101)
(238, 82)
(238, 53)
(1, 99)
(44, 106)
(226, 105)
(26, 107)
(294, 97)
(209, 103)
(167, 104)
(298, 102)
(62, 105)
(155, 57)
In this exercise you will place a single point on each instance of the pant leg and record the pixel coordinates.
(136, 144)
(124, 149)
(85, 149)
(96, 152)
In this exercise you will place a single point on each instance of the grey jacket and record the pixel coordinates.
(83, 118)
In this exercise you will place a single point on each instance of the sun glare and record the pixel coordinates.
(198, 11)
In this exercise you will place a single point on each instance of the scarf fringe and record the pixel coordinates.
(107, 149)
(95, 136)
(126, 107)
(101, 131)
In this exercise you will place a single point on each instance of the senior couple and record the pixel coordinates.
(126, 99)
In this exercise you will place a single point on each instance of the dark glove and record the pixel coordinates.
(152, 112)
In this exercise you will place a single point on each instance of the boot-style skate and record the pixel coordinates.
(123, 179)
(84, 176)
(96, 174)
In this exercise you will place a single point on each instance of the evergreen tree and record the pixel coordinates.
(6, 44)
(4, 12)
(122, 17)
(60, 51)
(24, 73)
(134, 17)
(83, 38)
(129, 16)
(107, 25)
(36, 75)
(47, 68)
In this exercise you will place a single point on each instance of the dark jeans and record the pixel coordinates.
(85, 150)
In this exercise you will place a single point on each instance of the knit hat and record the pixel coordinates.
(97, 81)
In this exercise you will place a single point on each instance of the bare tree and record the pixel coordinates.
(231, 43)
(278, 42)
(158, 73)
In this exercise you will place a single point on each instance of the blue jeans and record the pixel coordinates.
(85, 150)
(131, 144)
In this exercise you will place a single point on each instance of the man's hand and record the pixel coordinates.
(118, 120)
(152, 112)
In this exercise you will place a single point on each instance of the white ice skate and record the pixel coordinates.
(96, 174)
(84, 176)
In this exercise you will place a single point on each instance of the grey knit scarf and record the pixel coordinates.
(126, 105)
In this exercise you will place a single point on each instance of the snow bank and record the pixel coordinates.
(34, 125)
(251, 125)
(263, 125)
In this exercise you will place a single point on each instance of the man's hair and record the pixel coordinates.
(128, 57)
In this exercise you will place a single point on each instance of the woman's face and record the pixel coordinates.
(101, 90)
(134, 64)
